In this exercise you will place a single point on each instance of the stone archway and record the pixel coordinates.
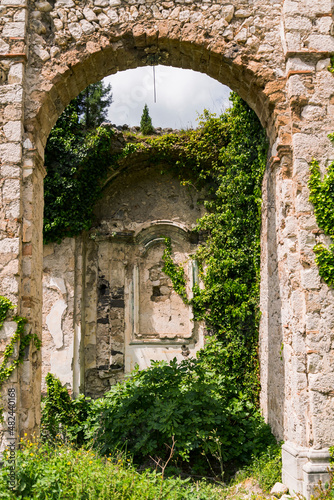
(275, 55)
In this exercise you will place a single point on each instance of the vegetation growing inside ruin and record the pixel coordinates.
(57, 472)
(77, 159)
(9, 361)
(322, 197)
(192, 404)
(207, 408)
(45, 471)
(174, 271)
(227, 155)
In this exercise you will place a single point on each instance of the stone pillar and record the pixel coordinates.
(307, 304)
(21, 209)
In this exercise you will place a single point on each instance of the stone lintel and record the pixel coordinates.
(306, 52)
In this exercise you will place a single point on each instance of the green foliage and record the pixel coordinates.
(266, 468)
(77, 163)
(63, 419)
(227, 156)
(174, 271)
(197, 405)
(331, 66)
(209, 405)
(46, 472)
(77, 159)
(8, 365)
(146, 126)
(93, 103)
(322, 197)
(5, 306)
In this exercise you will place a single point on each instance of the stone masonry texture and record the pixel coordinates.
(274, 54)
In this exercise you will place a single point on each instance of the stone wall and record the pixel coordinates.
(118, 309)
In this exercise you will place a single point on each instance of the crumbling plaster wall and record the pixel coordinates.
(122, 303)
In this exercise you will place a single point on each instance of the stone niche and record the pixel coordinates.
(108, 306)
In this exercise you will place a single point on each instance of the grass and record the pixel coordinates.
(62, 472)
(45, 471)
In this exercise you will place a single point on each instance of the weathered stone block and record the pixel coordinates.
(15, 29)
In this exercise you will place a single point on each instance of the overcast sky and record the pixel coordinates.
(181, 95)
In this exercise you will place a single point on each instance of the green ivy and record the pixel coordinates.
(77, 161)
(19, 338)
(331, 66)
(226, 156)
(5, 306)
(322, 197)
(174, 271)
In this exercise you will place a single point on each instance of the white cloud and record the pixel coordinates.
(181, 96)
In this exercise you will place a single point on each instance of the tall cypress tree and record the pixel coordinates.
(146, 126)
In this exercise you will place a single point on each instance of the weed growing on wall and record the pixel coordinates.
(174, 271)
(9, 362)
(322, 197)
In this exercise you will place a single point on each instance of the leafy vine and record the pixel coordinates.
(322, 197)
(174, 271)
(18, 338)
(225, 159)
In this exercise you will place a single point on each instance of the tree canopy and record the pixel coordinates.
(92, 104)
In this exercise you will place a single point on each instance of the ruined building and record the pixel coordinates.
(275, 54)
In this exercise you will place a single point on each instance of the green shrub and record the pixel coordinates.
(63, 419)
(198, 407)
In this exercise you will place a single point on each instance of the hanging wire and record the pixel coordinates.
(154, 86)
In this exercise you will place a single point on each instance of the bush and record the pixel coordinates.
(198, 407)
(63, 418)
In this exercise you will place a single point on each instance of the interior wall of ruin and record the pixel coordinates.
(107, 304)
